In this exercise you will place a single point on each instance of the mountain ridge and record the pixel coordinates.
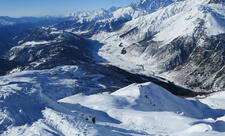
(57, 82)
(168, 38)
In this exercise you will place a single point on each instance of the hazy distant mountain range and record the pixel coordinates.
(118, 71)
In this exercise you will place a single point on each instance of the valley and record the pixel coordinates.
(154, 68)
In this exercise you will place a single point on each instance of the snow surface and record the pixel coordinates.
(133, 11)
(151, 110)
(180, 19)
(177, 19)
(42, 102)
(6, 23)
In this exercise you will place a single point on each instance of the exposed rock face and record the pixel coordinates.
(185, 39)
(205, 69)
(193, 59)
(6, 66)
(47, 48)
(195, 64)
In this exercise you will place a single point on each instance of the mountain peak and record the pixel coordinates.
(154, 4)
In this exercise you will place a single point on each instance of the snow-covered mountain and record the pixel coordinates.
(11, 27)
(38, 21)
(153, 5)
(36, 103)
(176, 38)
(161, 36)
(55, 82)
(48, 47)
(46, 44)
(91, 22)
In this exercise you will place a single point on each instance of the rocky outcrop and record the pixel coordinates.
(205, 69)
(6, 66)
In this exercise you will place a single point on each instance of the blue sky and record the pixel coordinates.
(18, 8)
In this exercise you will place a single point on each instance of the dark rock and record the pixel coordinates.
(123, 51)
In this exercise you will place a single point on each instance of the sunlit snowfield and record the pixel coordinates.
(36, 108)
(102, 72)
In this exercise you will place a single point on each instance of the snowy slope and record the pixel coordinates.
(47, 44)
(134, 10)
(48, 47)
(11, 27)
(29, 107)
(177, 20)
(28, 104)
(24, 97)
(172, 37)
(151, 110)
(42, 102)
(88, 23)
